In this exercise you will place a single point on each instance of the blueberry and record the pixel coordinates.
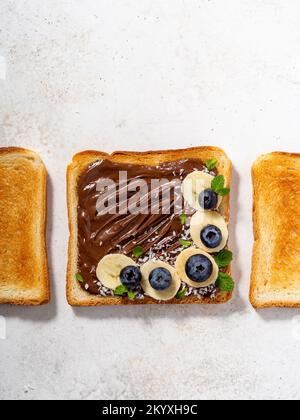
(211, 236)
(131, 277)
(199, 268)
(208, 199)
(160, 279)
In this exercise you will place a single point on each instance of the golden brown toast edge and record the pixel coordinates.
(258, 300)
(78, 297)
(40, 294)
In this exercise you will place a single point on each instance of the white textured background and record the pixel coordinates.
(150, 74)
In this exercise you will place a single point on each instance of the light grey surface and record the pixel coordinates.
(150, 74)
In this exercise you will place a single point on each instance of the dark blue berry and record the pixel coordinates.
(160, 279)
(131, 277)
(199, 268)
(208, 199)
(211, 236)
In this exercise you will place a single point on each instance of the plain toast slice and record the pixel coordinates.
(275, 279)
(23, 261)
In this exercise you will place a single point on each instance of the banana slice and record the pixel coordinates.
(183, 260)
(163, 295)
(209, 231)
(110, 267)
(193, 185)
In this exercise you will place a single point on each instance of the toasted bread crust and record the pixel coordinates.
(23, 256)
(78, 297)
(275, 277)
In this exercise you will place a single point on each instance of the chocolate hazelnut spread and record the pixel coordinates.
(100, 234)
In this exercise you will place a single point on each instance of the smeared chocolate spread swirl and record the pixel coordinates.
(102, 234)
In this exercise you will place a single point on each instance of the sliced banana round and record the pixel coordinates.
(193, 185)
(147, 269)
(185, 259)
(209, 231)
(110, 267)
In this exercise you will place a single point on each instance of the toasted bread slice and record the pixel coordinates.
(75, 294)
(275, 279)
(23, 262)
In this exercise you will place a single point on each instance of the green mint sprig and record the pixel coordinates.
(181, 293)
(79, 278)
(211, 164)
(225, 282)
(218, 186)
(185, 243)
(131, 294)
(224, 258)
(183, 218)
(138, 251)
(123, 291)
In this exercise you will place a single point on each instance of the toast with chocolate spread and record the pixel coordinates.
(275, 279)
(23, 262)
(149, 228)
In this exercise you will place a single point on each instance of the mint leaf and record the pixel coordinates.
(218, 186)
(211, 164)
(121, 290)
(224, 258)
(224, 191)
(218, 183)
(131, 294)
(138, 251)
(181, 293)
(79, 278)
(225, 282)
(185, 243)
(183, 218)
